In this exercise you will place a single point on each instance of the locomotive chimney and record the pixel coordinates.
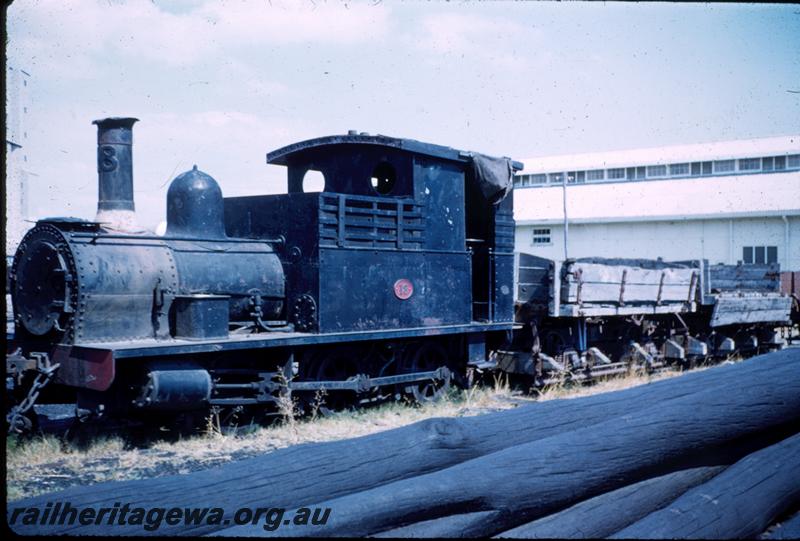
(115, 171)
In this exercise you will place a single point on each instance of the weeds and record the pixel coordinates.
(287, 405)
(469, 395)
(36, 450)
(501, 384)
(213, 426)
(318, 403)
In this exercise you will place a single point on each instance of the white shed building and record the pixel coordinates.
(725, 202)
(17, 169)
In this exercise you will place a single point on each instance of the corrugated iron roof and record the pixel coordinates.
(745, 148)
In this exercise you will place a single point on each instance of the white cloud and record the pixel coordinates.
(143, 30)
(258, 22)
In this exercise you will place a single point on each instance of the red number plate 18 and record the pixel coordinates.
(403, 289)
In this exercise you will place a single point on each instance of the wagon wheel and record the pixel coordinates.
(426, 358)
(553, 343)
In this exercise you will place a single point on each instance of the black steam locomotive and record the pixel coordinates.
(384, 283)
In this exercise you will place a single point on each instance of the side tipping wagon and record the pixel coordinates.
(595, 316)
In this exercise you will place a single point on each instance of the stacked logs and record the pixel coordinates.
(710, 454)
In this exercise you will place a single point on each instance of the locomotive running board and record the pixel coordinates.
(151, 348)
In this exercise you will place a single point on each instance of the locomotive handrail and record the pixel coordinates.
(95, 236)
(393, 249)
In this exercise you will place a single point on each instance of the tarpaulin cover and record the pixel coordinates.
(495, 176)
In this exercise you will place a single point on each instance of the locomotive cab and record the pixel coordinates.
(399, 226)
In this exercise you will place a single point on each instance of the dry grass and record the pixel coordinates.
(46, 464)
(604, 386)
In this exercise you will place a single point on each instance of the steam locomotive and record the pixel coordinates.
(393, 280)
(381, 284)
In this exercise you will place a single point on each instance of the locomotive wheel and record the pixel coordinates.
(425, 358)
(337, 366)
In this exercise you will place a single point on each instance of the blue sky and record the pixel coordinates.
(221, 83)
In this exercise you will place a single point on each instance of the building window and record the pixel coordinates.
(767, 164)
(631, 173)
(794, 161)
(538, 179)
(656, 170)
(706, 168)
(677, 169)
(780, 163)
(724, 166)
(597, 174)
(541, 236)
(772, 254)
(556, 178)
(616, 173)
(750, 164)
(759, 255)
(576, 176)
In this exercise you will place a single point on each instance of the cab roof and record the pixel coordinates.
(299, 151)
